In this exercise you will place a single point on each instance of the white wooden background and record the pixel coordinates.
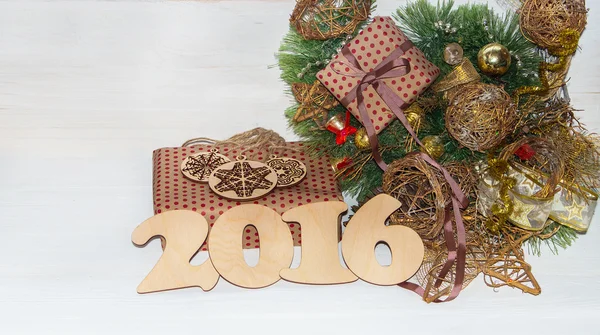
(89, 88)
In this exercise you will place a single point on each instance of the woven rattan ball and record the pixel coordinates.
(546, 161)
(543, 21)
(465, 176)
(479, 116)
(419, 187)
(325, 19)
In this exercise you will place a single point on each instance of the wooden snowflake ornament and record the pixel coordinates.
(198, 167)
(289, 171)
(243, 180)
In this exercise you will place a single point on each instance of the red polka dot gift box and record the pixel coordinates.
(172, 190)
(365, 58)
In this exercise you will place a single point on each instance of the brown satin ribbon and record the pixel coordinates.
(395, 66)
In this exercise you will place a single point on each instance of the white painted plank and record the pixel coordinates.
(89, 88)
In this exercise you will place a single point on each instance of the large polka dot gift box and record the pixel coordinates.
(172, 190)
(369, 49)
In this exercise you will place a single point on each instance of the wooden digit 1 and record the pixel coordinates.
(320, 226)
(184, 232)
(366, 229)
(276, 246)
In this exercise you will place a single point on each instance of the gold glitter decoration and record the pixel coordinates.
(479, 116)
(552, 75)
(498, 170)
(326, 19)
(556, 121)
(361, 139)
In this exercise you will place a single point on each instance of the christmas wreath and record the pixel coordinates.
(460, 113)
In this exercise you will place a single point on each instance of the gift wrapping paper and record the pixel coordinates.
(370, 47)
(172, 191)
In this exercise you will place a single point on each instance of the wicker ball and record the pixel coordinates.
(419, 187)
(424, 193)
(543, 21)
(465, 176)
(479, 116)
(546, 160)
(320, 19)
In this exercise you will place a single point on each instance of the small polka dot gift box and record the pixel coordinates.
(365, 58)
(172, 190)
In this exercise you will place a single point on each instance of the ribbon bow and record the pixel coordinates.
(394, 66)
(342, 134)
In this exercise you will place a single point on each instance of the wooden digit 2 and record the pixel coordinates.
(366, 229)
(184, 231)
(276, 246)
(320, 226)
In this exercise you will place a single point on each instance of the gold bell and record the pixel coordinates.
(338, 164)
(336, 122)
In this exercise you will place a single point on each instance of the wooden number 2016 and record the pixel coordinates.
(320, 235)
(185, 231)
(276, 246)
(366, 229)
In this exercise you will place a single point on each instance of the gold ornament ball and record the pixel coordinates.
(414, 120)
(415, 108)
(494, 59)
(361, 139)
(433, 145)
(414, 114)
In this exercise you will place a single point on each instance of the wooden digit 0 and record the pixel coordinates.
(184, 232)
(276, 246)
(320, 226)
(366, 229)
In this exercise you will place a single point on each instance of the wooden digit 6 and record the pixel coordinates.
(366, 229)
(184, 231)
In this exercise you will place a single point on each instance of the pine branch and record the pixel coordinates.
(563, 238)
